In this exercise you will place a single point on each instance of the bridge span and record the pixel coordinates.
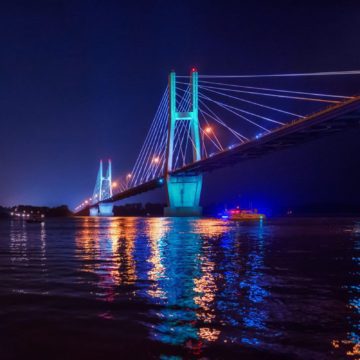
(178, 133)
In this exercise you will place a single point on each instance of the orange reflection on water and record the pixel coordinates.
(351, 347)
(105, 247)
(206, 289)
(127, 236)
(156, 228)
(87, 246)
(205, 286)
(209, 334)
(114, 233)
(210, 227)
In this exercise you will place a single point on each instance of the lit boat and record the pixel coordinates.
(238, 214)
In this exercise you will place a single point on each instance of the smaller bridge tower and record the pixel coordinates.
(102, 191)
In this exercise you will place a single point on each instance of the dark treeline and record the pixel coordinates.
(58, 211)
(138, 209)
(4, 212)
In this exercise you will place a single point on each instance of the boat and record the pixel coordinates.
(239, 215)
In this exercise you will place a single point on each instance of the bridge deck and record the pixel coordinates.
(328, 121)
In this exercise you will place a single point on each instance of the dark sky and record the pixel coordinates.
(81, 80)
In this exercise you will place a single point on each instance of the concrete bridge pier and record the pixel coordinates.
(184, 195)
(106, 209)
(94, 211)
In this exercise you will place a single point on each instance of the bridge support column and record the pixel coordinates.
(94, 211)
(183, 189)
(184, 195)
(106, 209)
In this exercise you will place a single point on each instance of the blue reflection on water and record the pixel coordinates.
(204, 289)
(178, 257)
(191, 283)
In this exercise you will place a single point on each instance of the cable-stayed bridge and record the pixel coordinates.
(207, 122)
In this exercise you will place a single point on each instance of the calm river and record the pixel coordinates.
(160, 288)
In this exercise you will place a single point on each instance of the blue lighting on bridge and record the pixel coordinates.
(183, 134)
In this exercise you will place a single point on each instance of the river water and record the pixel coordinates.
(160, 288)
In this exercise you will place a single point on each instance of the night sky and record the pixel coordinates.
(81, 80)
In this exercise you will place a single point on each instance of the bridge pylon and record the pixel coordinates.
(102, 191)
(183, 189)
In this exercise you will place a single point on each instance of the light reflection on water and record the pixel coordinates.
(192, 284)
(351, 344)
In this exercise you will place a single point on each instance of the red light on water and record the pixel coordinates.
(234, 211)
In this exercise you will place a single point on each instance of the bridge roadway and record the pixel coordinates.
(328, 121)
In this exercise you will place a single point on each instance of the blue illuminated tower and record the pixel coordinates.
(183, 189)
(102, 191)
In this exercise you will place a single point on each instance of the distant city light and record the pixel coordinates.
(114, 184)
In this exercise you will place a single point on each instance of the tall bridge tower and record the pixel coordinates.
(102, 191)
(183, 189)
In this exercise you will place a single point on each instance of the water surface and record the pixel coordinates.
(95, 288)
